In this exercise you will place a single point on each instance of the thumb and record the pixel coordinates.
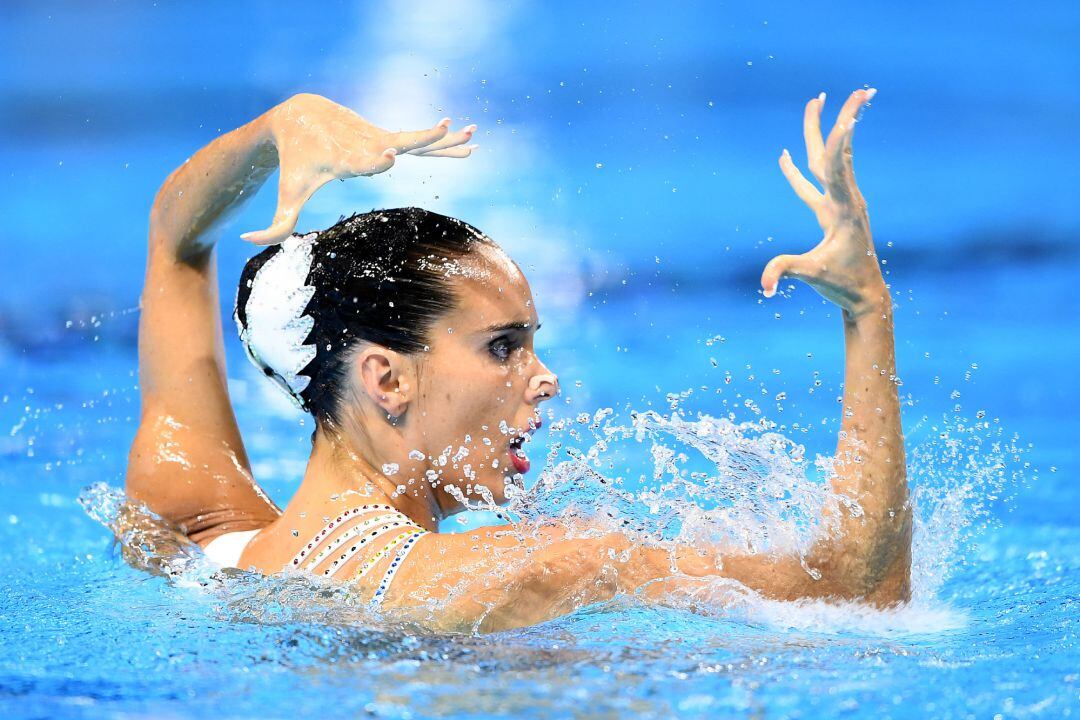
(777, 268)
(276, 233)
(291, 199)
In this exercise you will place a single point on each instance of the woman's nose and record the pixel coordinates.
(542, 386)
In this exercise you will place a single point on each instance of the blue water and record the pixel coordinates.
(630, 167)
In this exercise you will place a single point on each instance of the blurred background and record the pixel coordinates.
(627, 160)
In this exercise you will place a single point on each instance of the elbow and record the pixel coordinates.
(892, 579)
(884, 578)
(162, 213)
(874, 570)
(889, 575)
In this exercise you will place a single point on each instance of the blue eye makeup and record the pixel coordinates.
(511, 337)
(502, 348)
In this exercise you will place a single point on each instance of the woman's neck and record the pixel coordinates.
(339, 477)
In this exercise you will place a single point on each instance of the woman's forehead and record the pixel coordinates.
(483, 303)
(496, 292)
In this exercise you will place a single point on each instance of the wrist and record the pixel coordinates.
(277, 119)
(873, 300)
(270, 122)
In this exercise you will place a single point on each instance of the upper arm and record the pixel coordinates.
(188, 462)
(499, 577)
(826, 572)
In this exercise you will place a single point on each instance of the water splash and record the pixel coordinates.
(713, 482)
(730, 600)
(665, 481)
(719, 483)
(958, 473)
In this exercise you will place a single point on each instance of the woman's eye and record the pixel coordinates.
(501, 349)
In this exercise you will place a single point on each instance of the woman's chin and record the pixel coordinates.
(513, 484)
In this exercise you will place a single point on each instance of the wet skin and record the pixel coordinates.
(188, 462)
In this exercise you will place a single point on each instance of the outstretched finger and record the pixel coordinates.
(777, 268)
(803, 187)
(460, 151)
(405, 141)
(815, 146)
(450, 140)
(840, 174)
(292, 196)
(845, 121)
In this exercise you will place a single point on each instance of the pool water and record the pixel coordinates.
(628, 164)
(86, 633)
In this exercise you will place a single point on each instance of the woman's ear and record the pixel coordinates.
(383, 375)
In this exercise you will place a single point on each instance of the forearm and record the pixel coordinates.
(869, 554)
(180, 295)
(863, 556)
(202, 191)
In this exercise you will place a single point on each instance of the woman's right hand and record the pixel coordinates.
(318, 140)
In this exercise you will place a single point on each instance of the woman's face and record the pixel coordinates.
(480, 384)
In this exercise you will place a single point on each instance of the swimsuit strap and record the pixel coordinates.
(357, 530)
(358, 544)
(320, 536)
(407, 545)
(386, 550)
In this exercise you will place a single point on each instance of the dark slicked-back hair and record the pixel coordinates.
(380, 277)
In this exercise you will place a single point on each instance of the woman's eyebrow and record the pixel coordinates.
(515, 325)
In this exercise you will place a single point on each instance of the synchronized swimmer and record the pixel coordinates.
(408, 336)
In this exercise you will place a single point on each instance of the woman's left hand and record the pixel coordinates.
(843, 267)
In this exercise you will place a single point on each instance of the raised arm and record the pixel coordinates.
(864, 554)
(496, 578)
(868, 556)
(188, 462)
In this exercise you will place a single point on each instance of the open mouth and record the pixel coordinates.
(518, 459)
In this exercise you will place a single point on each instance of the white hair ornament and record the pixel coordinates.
(276, 324)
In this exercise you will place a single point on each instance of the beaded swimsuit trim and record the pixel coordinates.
(358, 544)
(328, 528)
(362, 532)
(353, 531)
(395, 564)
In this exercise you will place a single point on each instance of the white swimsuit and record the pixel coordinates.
(226, 549)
